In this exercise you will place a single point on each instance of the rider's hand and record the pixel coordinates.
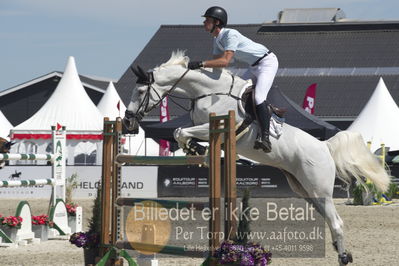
(195, 65)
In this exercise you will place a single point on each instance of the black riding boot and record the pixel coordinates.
(263, 117)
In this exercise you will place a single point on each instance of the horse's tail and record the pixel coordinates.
(353, 159)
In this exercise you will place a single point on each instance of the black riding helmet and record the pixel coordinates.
(218, 13)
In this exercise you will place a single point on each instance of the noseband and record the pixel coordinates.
(143, 108)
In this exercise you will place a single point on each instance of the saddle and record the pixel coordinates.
(248, 101)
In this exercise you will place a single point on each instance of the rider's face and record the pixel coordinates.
(209, 23)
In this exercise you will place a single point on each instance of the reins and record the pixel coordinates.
(146, 99)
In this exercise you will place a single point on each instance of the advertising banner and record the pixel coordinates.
(189, 181)
(262, 182)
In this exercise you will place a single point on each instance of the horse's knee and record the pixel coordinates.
(178, 134)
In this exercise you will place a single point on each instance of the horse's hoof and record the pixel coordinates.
(196, 148)
(345, 258)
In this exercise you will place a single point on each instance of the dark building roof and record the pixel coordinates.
(345, 59)
(22, 101)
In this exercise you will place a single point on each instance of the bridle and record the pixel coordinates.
(149, 81)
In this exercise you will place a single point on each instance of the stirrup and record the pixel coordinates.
(259, 144)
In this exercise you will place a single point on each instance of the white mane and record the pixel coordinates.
(177, 58)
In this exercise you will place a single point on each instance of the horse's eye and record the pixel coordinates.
(142, 90)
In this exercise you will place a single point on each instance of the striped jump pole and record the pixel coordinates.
(22, 183)
(158, 160)
(33, 157)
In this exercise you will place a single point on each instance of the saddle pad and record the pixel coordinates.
(276, 126)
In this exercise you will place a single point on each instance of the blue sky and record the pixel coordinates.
(104, 36)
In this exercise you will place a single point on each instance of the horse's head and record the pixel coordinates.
(151, 88)
(139, 102)
(5, 147)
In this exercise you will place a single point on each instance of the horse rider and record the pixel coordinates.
(262, 64)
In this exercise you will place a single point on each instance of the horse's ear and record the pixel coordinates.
(8, 145)
(143, 73)
(186, 60)
(142, 76)
(135, 71)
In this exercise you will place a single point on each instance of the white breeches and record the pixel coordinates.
(263, 75)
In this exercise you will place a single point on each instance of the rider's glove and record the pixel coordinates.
(195, 65)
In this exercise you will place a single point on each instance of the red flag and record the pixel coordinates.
(309, 100)
(164, 145)
(119, 105)
(59, 126)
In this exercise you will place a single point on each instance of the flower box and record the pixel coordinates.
(11, 232)
(41, 231)
(75, 221)
(71, 208)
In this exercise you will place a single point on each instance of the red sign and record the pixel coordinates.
(309, 100)
(164, 145)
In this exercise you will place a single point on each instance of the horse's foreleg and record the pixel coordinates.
(183, 136)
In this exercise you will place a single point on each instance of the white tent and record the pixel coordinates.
(108, 104)
(69, 106)
(378, 122)
(5, 126)
(135, 144)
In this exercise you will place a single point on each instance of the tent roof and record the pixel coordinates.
(5, 126)
(377, 122)
(109, 102)
(20, 102)
(70, 106)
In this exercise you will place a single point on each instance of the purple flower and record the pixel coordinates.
(247, 260)
(251, 254)
(262, 262)
(84, 240)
